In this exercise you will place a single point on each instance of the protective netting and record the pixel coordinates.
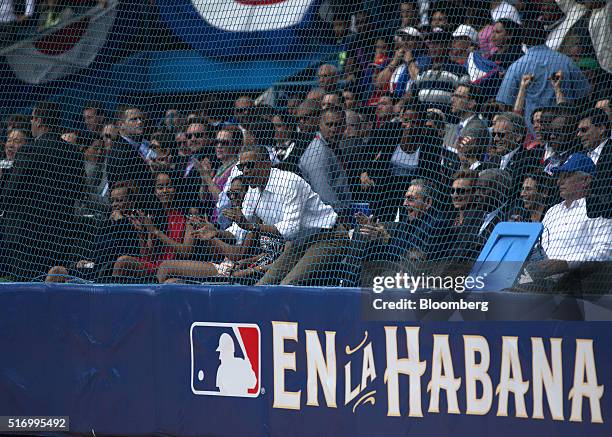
(303, 141)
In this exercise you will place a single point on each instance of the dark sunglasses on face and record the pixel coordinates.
(583, 130)
(246, 165)
(461, 191)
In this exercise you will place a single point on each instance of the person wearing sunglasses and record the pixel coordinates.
(289, 208)
(462, 240)
(227, 144)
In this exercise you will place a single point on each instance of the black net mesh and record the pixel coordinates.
(314, 142)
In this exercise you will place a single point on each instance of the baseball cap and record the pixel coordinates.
(577, 162)
(466, 31)
(409, 31)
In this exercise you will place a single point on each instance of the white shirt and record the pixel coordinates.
(596, 152)
(506, 158)
(288, 203)
(238, 233)
(572, 236)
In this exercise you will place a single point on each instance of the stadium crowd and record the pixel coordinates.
(407, 153)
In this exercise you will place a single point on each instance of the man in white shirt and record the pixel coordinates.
(594, 132)
(570, 238)
(289, 208)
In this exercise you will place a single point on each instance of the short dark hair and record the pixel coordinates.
(598, 117)
(50, 115)
(94, 104)
(262, 153)
(543, 180)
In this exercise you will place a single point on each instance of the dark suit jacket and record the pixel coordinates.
(599, 202)
(39, 203)
(125, 163)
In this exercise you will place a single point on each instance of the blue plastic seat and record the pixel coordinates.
(502, 258)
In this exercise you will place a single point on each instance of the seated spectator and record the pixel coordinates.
(465, 40)
(243, 107)
(542, 63)
(38, 205)
(436, 83)
(117, 236)
(463, 105)
(96, 178)
(229, 142)
(559, 129)
(507, 39)
(93, 121)
(594, 133)
(413, 238)
(399, 73)
(462, 241)
(599, 203)
(164, 236)
(348, 97)
(404, 151)
(331, 99)
(247, 259)
(500, 10)
(288, 208)
(507, 150)
(570, 237)
(328, 77)
(287, 149)
(130, 156)
(15, 139)
(199, 150)
(535, 196)
(534, 140)
(439, 14)
(320, 165)
(493, 198)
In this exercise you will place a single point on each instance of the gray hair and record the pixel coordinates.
(502, 178)
(516, 123)
(427, 187)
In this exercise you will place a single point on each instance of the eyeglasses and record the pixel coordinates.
(242, 166)
(194, 135)
(498, 134)
(461, 191)
(583, 130)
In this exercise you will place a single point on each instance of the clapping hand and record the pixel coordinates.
(236, 215)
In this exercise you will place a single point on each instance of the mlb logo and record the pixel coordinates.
(225, 359)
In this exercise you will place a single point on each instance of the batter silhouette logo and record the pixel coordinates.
(225, 359)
